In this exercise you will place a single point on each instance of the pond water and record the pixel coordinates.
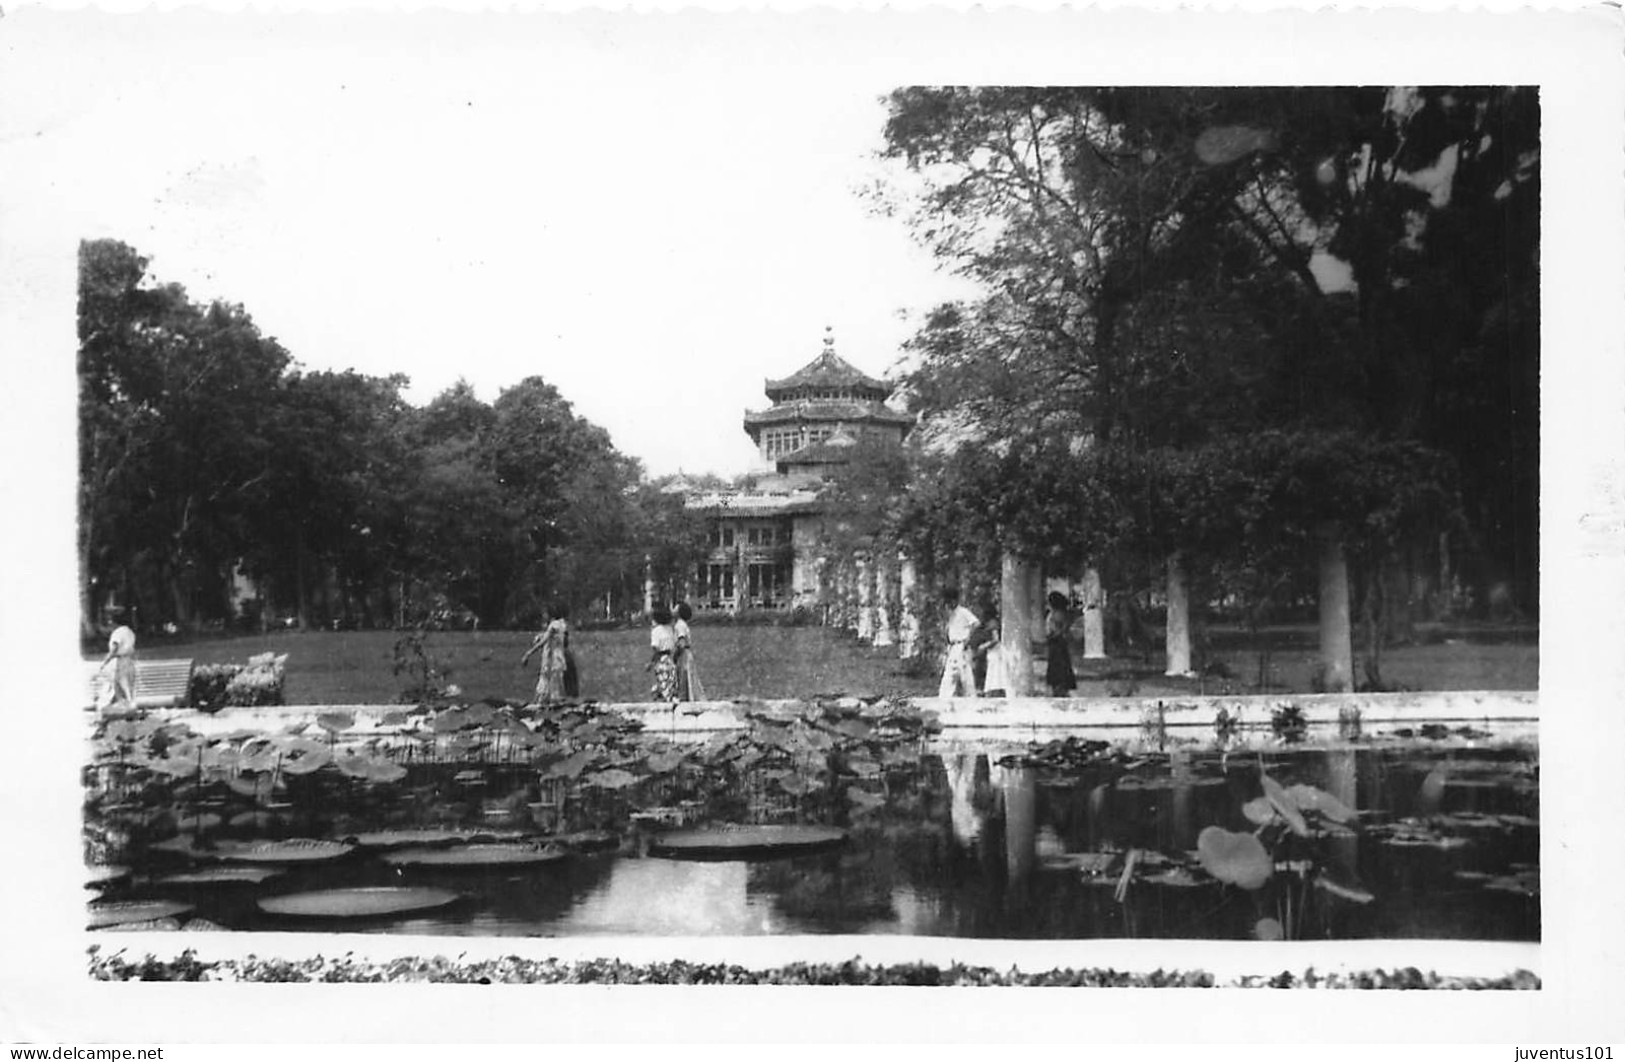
(1443, 843)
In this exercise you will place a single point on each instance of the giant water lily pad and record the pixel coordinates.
(425, 838)
(293, 850)
(365, 902)
(1237, 858)
(104, 874)
(221, 876)
(477, 855)
(740, 842)
(335, 722)
(107, 913)
(304, 756)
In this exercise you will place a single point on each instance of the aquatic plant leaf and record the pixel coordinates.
(1259, 811)
(613, 778)
(477, 855)
(449, 720)
(1176, 877)
(293, 850)
(364, 902)
(304, 756)
(334, 722)
(104, 873)
(856, 729)
(1343, 890)
(863, 800)
(1431, 794)
(1284, 804)
(107, 913)
(243, 786)
(478, 715)
(738, 842)
(1236, 858)
(221, 876)
(665, 762)
(201, 822)
(384, 771)
(1308, 798)
(570, 766)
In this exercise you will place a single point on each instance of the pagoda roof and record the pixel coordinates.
(829, 369)
(826, 410)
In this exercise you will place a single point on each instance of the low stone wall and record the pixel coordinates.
(1507, 714)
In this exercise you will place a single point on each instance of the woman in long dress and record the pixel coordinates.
(553, 643)
(688, 670)
(662, 653)
(1057, 654)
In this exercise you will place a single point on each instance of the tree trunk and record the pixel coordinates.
(1016, 624)
(866, 619)
(908, 641)
(1336, 640)
(301, 589)
(884, 603)
(1177, 639)
(1094, 616)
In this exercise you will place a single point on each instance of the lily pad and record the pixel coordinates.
(1259, 811)
(613, 778)
(304, 756)
(426, 838)
(121, 912)
(590, 840)
(476, 855)
(1308, 798)
(104, 874)
(293, 850)
(741, 842)
(335, 722)
(202, 925)
(1176, 877)
(1236, 858)
(221, 876)
(1343, 890)
(1283, 803)
(365, 902)
(152, 925)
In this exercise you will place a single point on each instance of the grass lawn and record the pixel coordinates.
(356, 667)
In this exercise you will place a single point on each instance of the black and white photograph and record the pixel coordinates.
(729, 500)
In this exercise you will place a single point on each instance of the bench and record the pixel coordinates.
(158, 683)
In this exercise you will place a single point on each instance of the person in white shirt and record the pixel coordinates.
(121, 654)
(662, 650)
(958, 679)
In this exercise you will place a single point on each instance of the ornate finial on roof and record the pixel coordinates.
(829, 339)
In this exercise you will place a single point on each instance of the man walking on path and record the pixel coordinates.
(958, 679)
(121, 654)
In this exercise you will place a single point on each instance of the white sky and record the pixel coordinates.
(652, 234)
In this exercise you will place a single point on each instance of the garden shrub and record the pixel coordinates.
(254, 684)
